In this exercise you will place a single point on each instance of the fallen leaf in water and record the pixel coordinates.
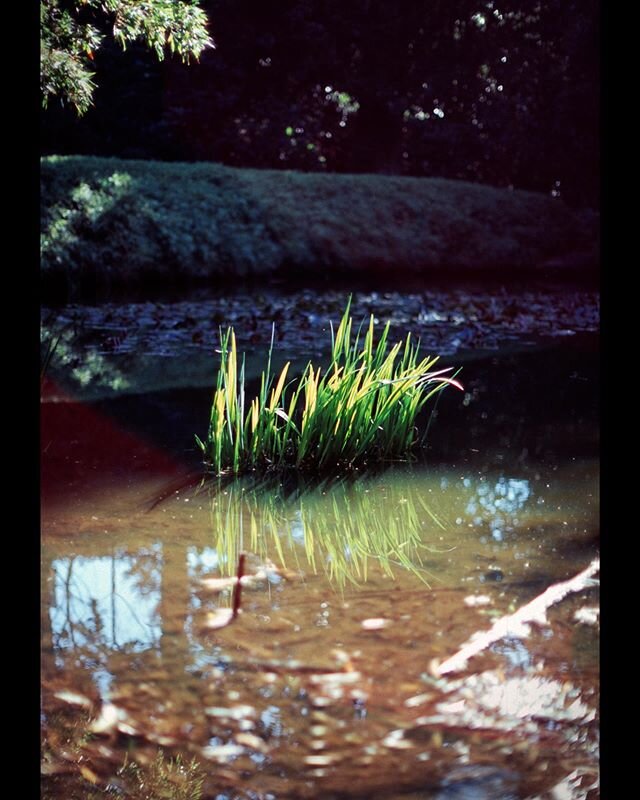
(235, 712)
(336, 677)
(89, 775)
(319, 761)
(395, 740)
(287, 574)
(321, 701)
(474, 600)
(588, 616)
(252, 741)
(112, 719)
(219, 618)
(73, 698)
(107, 721)
(433, 668)
(418, 700)
(222, 753)
(318, 744)
(359, 695)
(455, 707)
(344, 659)
(375, 623)
(162, 740)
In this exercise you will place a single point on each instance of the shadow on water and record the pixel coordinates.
(519, 407)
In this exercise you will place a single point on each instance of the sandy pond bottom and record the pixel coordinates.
(323, 686)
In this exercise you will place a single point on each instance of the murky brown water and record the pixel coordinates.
(322, 686)
(325, 704)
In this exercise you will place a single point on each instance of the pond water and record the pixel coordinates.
(325, 684)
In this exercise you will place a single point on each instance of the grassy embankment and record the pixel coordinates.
(115, 222)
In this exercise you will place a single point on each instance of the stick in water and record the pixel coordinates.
(238, 587)
(517, 624)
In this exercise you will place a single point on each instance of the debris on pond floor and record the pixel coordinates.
(74, 698)
(587, 616)
(223, 753)
(113, 720)
(239, 712)
(474, 600)
(219, 618)
(375, 623)
(100, 346)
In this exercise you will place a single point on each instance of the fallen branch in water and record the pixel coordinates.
(517, 624)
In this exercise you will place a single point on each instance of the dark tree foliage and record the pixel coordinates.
(504, 92)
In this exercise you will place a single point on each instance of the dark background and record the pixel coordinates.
(504, 93)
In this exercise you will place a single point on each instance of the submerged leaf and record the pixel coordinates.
(375, 623)
(89, 775)
(111, 719)
(223, 753)
(219, 618)
(73, 698)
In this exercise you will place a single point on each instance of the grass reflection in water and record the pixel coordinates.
(340, 527)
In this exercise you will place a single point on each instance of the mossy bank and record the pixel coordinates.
(114, 222)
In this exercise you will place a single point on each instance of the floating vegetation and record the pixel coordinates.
(362, 409)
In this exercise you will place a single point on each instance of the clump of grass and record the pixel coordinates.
(165, 778)
(363, 408)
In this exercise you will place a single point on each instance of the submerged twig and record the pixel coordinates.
(238, 587)
(517, 624)
(222, 617)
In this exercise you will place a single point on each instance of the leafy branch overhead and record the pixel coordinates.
(71, 33)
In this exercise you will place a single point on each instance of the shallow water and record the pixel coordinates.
(126, 621)
(323, 685)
